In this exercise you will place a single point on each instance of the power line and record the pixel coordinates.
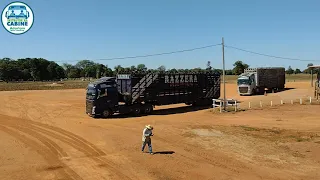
(187, 50)
(149, 55)
(278, 57)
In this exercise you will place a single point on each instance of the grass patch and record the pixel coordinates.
(275, 134)
(228, 109)
(18, 86)
(270, 134)
(247, 128)
(189, 134)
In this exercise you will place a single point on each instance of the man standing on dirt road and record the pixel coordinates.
(146, 138)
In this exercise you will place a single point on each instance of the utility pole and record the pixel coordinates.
(311, 77)
(223, 77)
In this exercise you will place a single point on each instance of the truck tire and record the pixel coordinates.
(106, 113)
(136, 110)
(148, 108)
(253, 92)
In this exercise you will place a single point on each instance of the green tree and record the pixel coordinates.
(60, 72)
(51, 68)
(209, 68)
(161, 69)
(99, 70)
(239, 67)
(118, 69)
(290, 70)
(74, 73)
(133, 69)
(141, 68)
(173, 70)
(297, 71)
(67, 67)
(87, 68)
(107, 71)
(308, 69)
(228, 72)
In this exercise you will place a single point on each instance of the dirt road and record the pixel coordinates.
(47, 135)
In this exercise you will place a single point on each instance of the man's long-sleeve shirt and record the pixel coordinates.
(146, 134)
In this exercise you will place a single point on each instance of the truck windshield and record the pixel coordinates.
(243, 81)
(91, 93)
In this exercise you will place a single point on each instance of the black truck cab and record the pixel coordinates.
(101, 95)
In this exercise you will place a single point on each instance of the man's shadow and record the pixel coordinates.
(164, 152)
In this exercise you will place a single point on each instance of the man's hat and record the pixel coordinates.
(149, 126)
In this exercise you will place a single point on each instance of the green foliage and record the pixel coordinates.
(239, 67)
(289, 70)
(39, 69)
(308, 70)
(161, 69)
(17, 86)
(30, 69)
(209, 68)
(297, 71)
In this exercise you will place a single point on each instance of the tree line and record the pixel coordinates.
(39, 69)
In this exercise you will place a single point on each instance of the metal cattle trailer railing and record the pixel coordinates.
(136, 93)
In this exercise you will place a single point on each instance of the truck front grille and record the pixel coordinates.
(243, 89)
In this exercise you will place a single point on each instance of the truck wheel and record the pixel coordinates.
(136, 111)
(106, 113)
(148, 108)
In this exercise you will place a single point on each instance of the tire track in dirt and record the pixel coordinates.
(80, 144)
(73, 140)
(48, 154)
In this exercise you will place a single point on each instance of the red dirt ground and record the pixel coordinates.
(47, 135)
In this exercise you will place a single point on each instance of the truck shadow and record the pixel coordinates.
(168, 111)
(285, 89)
(179, 110)
(269, 91)
(281, 90)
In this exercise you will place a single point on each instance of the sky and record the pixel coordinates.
(67, 31)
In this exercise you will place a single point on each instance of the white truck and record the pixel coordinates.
(256, 80)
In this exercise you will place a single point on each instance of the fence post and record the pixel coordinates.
(260, 104)
(249, 105)
(300, 101)
(235, 108)
(213, 103)
(220, 107)
(271, 103)
(281, 101)
(291, 101)
(310, 100)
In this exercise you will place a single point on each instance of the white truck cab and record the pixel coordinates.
(246, 83)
